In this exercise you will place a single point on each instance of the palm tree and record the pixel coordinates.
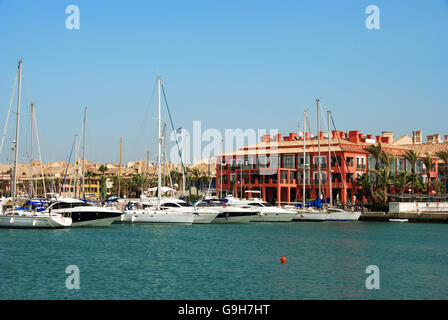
(437, 186)
(375, 151)
(383, 184)
(195, 177)
(103, 169)
(366, 187)
(429, 165)
(402, 181)
(412, 158)
(443, 155)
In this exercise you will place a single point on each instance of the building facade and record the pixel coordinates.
(279, 169)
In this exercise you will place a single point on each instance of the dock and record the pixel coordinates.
(420, 217)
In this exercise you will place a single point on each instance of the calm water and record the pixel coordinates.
(324, 261)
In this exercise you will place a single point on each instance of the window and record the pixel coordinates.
(262, 162)
(349, 177)
(247, 163)
(274, 161)
(184, 204)
(300, 161)
(400, 164)
(289, 161)
(419, 166)
(300, 176)
(336, 177)
(316, 177)
(225, 179)
(361, 163)
(245, 177)
(336, 161)
(323, 162)
(349, 162)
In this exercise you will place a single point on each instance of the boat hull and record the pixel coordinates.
(156, 217)
(310, 216)
(233, 217)
(86, 217)
(343, 216)
(204, 217)
(274, 217)
(34, 222)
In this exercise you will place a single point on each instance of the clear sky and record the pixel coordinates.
(231, 64)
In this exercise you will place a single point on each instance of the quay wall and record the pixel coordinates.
(399, 207)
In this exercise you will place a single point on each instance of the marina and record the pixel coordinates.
(223, 150)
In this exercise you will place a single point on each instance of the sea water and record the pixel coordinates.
(324, 260)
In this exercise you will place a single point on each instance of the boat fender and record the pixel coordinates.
(302, 215)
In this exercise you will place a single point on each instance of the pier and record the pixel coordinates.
(422, 217)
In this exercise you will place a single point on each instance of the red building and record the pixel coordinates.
(275, 166)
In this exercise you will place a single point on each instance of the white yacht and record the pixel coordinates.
(310, 214)
(337, 214)
(27, 216)
(228, 213)
(145, 212)
(201, 215)
(82, 214)
(266, 212)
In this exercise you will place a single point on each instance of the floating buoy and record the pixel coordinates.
(283, 259)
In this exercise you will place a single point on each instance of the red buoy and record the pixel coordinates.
(283, 259)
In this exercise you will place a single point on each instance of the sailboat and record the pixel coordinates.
(158, 212)
(308, 213)
(80, 211)
(31, 219)
(334, 213)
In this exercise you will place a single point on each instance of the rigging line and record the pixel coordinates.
(9, 111)
(144, 119)
(40, 155)
(343, 156)
(177, 143)
(68, 162)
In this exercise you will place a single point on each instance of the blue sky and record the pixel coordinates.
(231, 64)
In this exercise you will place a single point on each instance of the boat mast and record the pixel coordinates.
(159, 167)
(329, 160)
(119, 168)
(220, 176)
(76, 167)
(16, 142)
(304, 159)
(84, 155)
(31, 151)
(40, 154)
(318, 145)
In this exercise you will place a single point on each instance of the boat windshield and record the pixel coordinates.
(267, 204)
(208, 203)
(184, 204)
